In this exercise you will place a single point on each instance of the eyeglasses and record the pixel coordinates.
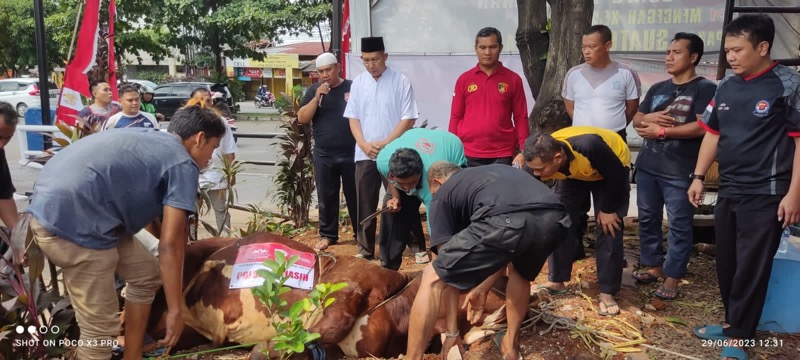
(371, 61)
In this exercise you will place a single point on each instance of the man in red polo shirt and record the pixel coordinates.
(484, 100)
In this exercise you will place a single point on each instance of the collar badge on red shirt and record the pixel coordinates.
(502, 88)
(472, 87)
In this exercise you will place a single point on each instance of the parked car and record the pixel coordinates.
(140, 83)
(23, 93)
(168, 98)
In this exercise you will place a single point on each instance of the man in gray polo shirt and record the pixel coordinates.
(92, 196)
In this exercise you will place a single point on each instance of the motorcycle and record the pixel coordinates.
(265, 101)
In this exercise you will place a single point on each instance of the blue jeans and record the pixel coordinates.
(653, 192)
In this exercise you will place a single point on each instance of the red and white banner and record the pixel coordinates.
(75, 81)
(345, 37)
(250, 259)
(112, 65)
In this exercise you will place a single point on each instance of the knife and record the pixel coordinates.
(374, 215)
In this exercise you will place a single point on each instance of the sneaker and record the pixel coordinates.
(422, 257)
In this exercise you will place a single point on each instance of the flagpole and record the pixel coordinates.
(41, 54)
(75, 30)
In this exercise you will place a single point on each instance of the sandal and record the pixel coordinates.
(551, 290)
(323, 244)
(605, 312)
(713, 332)
(666, 294)
(422, 257)
(498, 341)
(644, 277)
(734, 352)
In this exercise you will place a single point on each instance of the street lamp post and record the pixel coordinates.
(41, 56)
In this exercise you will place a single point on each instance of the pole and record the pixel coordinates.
(41, 55)
(75, 30)
(336, 29)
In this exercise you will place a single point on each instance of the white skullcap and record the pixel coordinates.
(326, 59)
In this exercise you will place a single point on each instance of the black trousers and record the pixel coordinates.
(748, 235)
(574, 194)
(473, 162)
(400, 229)
(331, 173)
(368, 190)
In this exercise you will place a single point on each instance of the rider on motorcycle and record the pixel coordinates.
(147, 105)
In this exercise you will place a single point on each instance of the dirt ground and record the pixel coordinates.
(654, 329)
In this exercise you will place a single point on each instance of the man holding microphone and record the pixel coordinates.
(334, 147)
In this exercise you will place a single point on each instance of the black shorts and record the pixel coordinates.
(524, 239)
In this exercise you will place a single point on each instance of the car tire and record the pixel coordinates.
(22, 108)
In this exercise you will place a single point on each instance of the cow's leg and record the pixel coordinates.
(339, 318)
(424, 312)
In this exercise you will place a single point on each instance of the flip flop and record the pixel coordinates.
(733, 352)
(662, 293)
(713, 332)
(644, 277)
(323, 244)
(608, 305)
(551, 290)
(498, 340)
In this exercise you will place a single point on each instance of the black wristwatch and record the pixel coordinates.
(693, 176)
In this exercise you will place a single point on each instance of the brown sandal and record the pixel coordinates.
(323, 244)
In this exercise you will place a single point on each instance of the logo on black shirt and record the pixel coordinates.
(762, 108)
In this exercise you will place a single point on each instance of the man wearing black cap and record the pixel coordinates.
(381, 108)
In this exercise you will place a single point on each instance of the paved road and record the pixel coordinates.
(254, 183)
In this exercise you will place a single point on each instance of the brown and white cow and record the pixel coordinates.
(369, 317)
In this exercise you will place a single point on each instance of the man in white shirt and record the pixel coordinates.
(381, 107)
(601, 92)
(130, 116)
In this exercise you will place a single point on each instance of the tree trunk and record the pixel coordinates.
(532, 42)
(569, 19)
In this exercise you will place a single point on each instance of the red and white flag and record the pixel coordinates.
(345, 36)
(112, 65)
(75, 81)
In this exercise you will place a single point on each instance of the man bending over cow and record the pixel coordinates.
(91, 198)
(404, 162)
(485, 221)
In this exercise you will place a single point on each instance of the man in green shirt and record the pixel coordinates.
(404, 163)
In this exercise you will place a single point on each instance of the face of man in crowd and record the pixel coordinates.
(201, 148)
(546, 169)
(744, 58)
(408, 184)
(102, 94)
(147, 97)
(375, 62)
(678, 59)
(595, 52)
(488, 50)
(203, 95)
(6, 132)
(329, 74)
(130, 103)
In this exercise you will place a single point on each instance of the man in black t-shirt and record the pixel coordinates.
(753, 129)
(484, 221)
(334, 147)
(8, 208)
(667, 120)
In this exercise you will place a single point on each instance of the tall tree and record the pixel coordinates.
(18, 42)
(560, 45)
(225, 27)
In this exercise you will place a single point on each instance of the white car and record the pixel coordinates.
(23, 93)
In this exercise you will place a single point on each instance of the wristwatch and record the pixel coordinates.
(694, 176)
(662, 133)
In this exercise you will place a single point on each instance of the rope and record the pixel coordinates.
(544, 312)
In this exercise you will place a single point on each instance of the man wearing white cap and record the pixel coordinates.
(334, 147)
